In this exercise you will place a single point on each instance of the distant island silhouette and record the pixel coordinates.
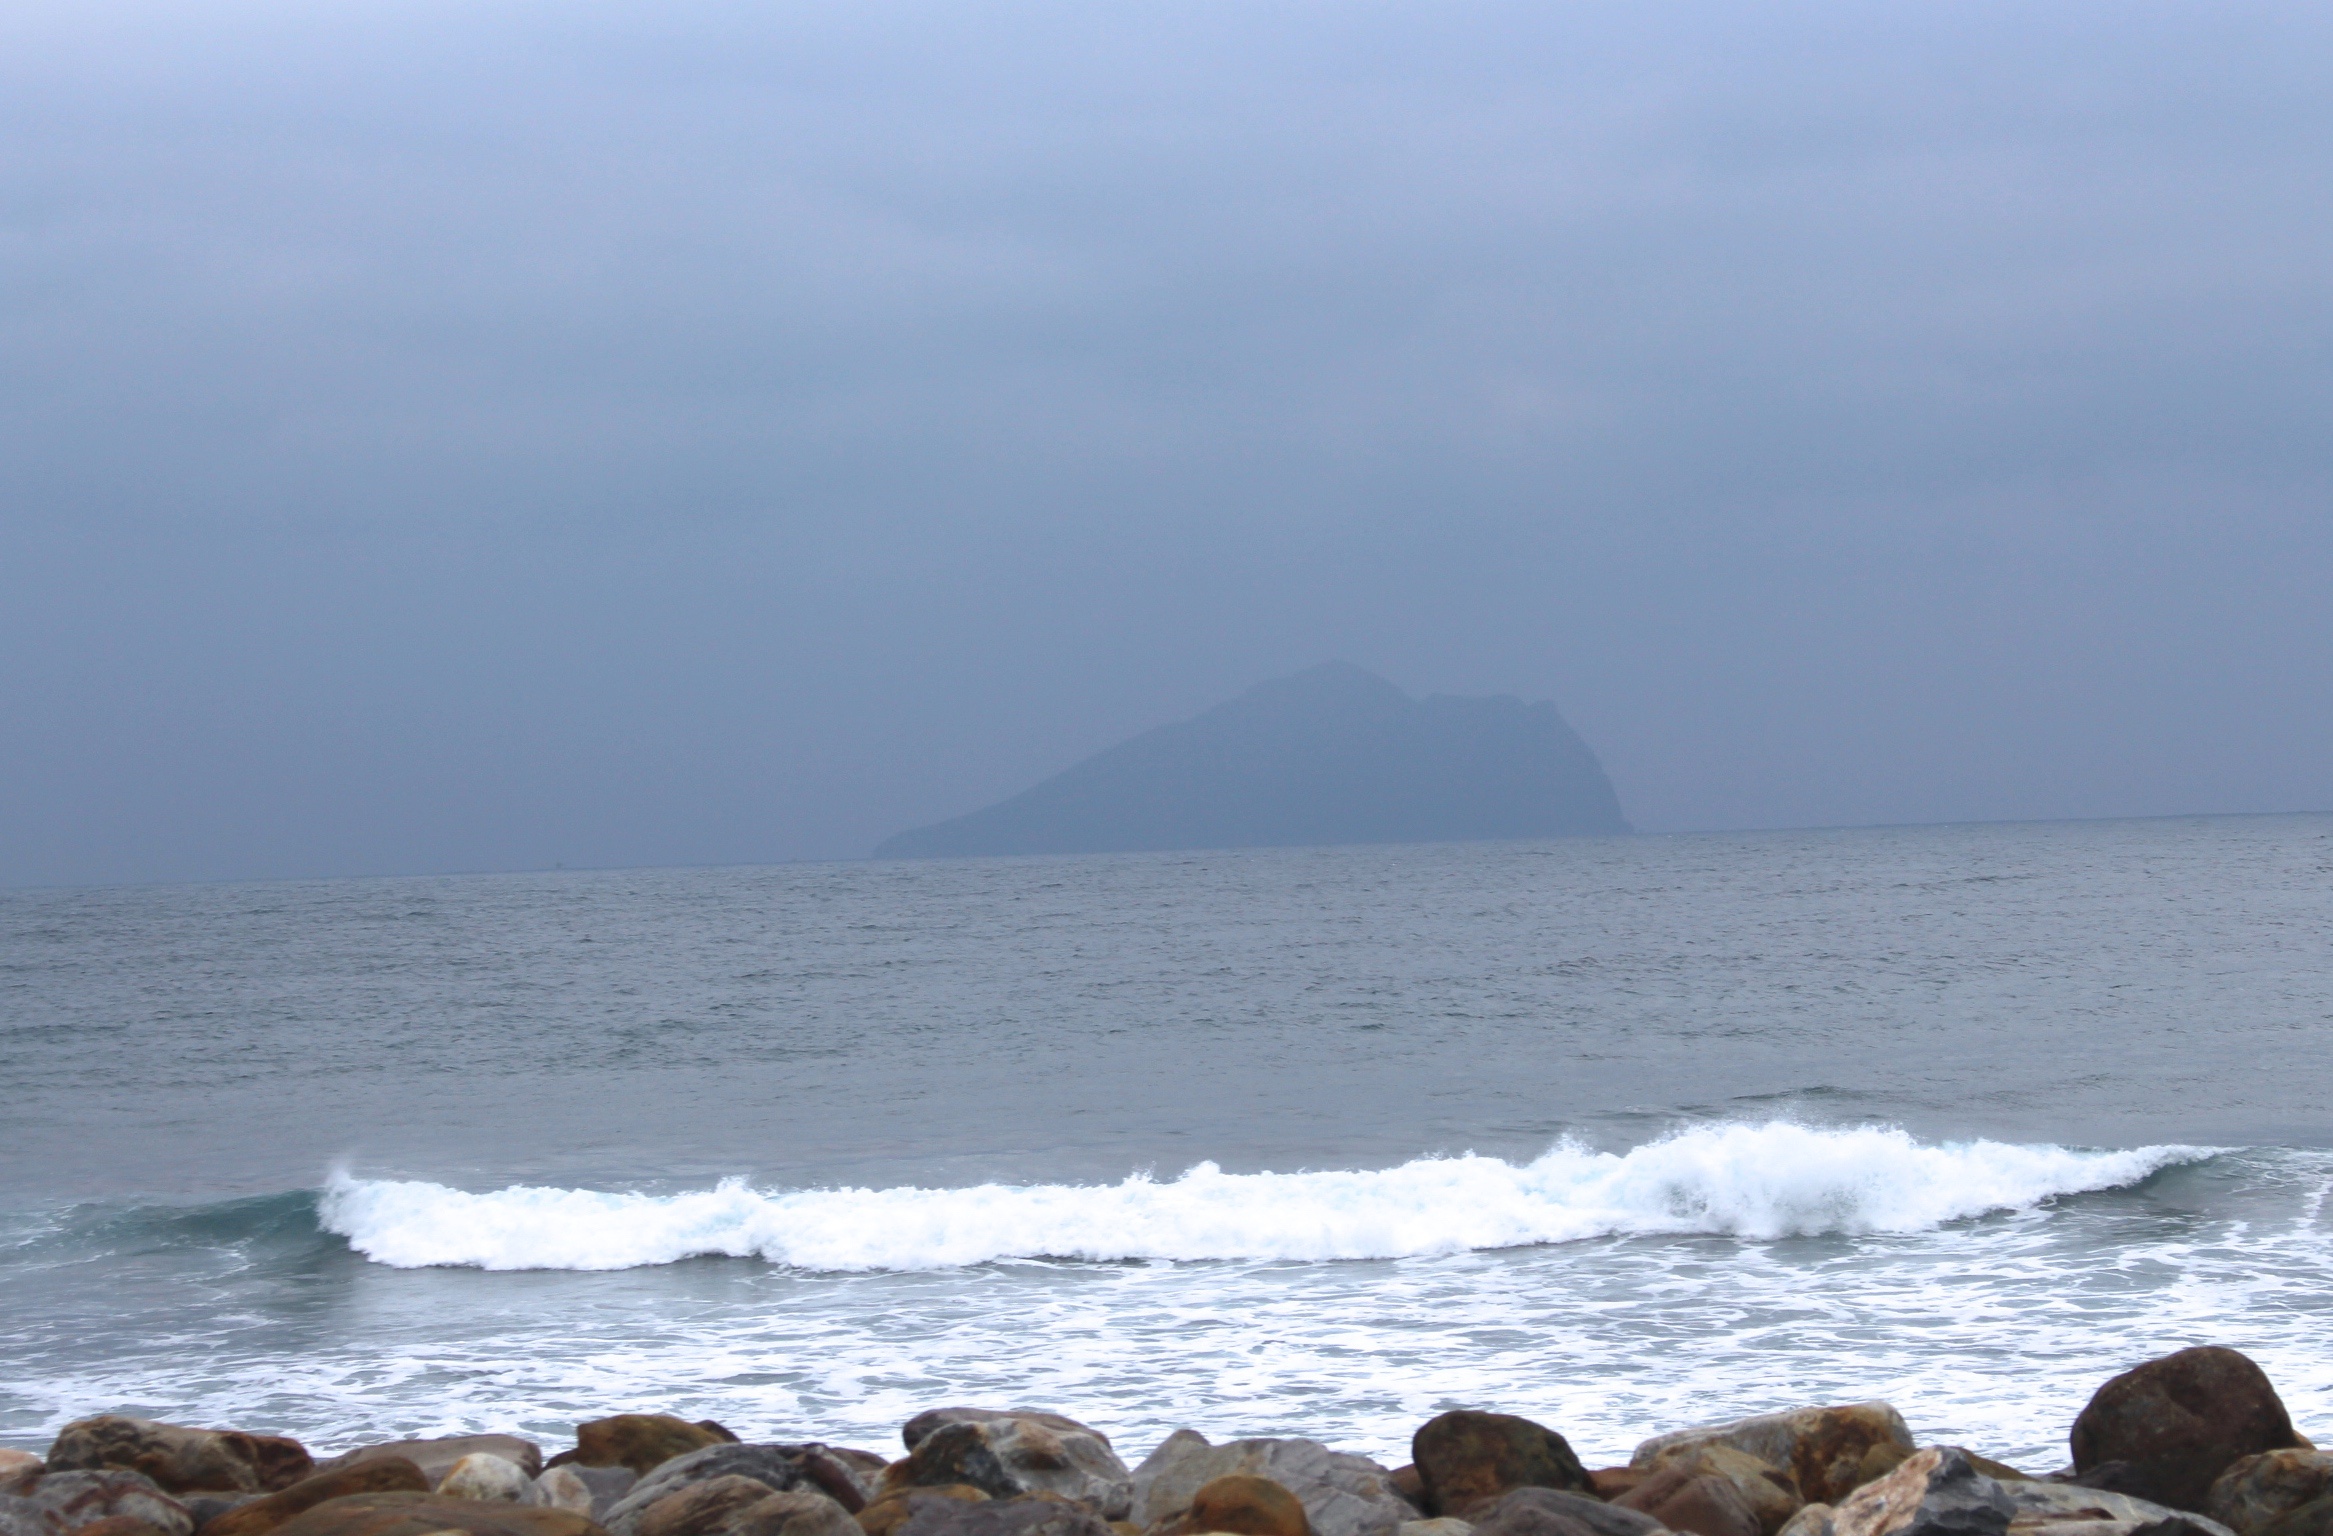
(1335, 754)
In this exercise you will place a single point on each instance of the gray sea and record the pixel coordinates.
(1622, 1134)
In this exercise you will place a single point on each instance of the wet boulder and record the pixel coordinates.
(641, 1441)
(589, 1491)
(2175, 1424)
(57, 1502)
(1828, 1452)
(1036, 1515)
(1559, 1512)
(2314, 1518)
(436, 1456)
(778, 1468)
(1245, 1505)
(1342, 1494)
(1770, 1493)
(1008, 1454)
(1465, 1458)
(486, 1476)
(886, 1512)
(1697, 1503)
(731, 1505)
(178, 1458)
(2261, 1488)
(430, 1514)
(257, 1517)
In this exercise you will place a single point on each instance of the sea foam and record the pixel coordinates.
(1754, 1181)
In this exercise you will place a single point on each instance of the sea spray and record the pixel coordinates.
(1759, 1181)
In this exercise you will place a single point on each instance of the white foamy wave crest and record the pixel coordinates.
(1758, 1181)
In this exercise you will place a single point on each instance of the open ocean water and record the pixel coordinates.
(1622, 1134)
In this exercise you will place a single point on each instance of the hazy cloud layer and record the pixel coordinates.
(472, 435)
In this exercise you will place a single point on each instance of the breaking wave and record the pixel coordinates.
(1753, 1181)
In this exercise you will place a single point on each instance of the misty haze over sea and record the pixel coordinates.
(1332, 552)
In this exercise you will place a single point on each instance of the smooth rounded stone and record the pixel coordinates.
(2260, 1488)
(255, 1517)
(486, 1476)
(1342, 1494)
(422, 1514)
(706, 1508)
(1559, 1512)
(436, 1455)
(2178, 1422)
(592, 1491)
(1441, 1525)
(178, 1458)
(1011, 1453)
(1697, 1503)
(1465, 1458)
(1037, 1515)
(2314, 1518)
(206, 1507)
(800, 1512)
(887, 1512)
(1828, 1452)
(66, 1501)
(1770, 1492)
(780, 1468)
(641, 1441)
(1244, 1505)
(18, 1466)
(118, 1525)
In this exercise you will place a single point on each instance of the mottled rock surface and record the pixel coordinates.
(1828, 1452)
(2177, 1423)
(421, 1514)
(2258, 1489)
(1466, 1458)
(1558, 1512)
(1009, 1453)
(177, 1457)
(1342, 1494)
(381, 1474)
(436, 1456)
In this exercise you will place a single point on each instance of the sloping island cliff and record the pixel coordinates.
(1332, 755)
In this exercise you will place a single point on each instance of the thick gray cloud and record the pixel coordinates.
(477, 435)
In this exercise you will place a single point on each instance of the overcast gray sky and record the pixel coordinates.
(474, 435)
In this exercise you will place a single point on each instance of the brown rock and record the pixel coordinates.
(1611, 1482)
(642, 1441)
(66, 1501)
(437, 1455)
(1828, 1452)
(2261, 1488)
(283, 1461)
(1008, 1454)
(888, 1511)
(1247, 1506)
(2314, 1518)
(119, 1525)
(179, 1459)
(1466, 1458)
(779, 1468)
(1035, 1516)
(702, 1509)
(18, 1467)
(2177, 1423)
(1698, 1503)
(1770, 1492)
(422, 1514)
(386, 1474)
(1411, 1488)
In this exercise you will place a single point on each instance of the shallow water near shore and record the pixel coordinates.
(1624, 1134)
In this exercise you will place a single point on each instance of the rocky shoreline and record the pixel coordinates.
(2196, 1443)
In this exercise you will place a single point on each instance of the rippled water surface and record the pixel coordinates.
(1966, 1117)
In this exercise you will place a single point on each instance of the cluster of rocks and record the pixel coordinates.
(2194, 1444)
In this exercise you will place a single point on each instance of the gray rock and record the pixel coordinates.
(2061, 1509)
(486, 1477)
(2259, 1488)
(780, 1468)
(19, 1516)
(1007, 1454)
(1022, 1517)
(1447, 1525)
(1559, 1512)
(67, 1501)
(1342, 1494)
